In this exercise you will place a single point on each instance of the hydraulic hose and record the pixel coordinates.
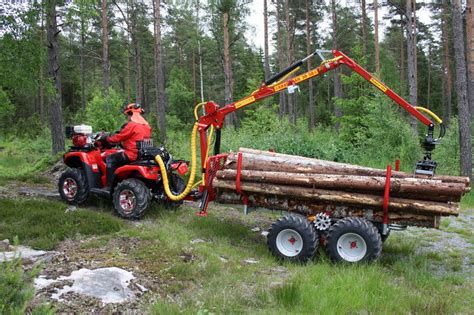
(192, 176)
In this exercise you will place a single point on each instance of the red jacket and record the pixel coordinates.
(129, 135)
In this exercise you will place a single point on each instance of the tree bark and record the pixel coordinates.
(461, 89)
(343, 198)
(411, 55)
(83, 72)
(265, 32)
(105, 49)
(374, 184)
(308, 207)
(159, 73)
(402, 60)
(311, 105)
(337, 74)
(289, 50)
(271, 161)
(376, 37)
(283, 108)
(446, 62)
(230, 119)
(364, 28)
(470, 53)
(56, 112)
(41, 72)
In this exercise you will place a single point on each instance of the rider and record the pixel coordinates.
(136, 129)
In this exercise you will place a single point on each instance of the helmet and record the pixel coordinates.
(132, 108)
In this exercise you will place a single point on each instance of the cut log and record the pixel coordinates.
(307, 207)
(343, 198)
(354, 182)
(271, 161)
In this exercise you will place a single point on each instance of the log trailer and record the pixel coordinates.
(294, 237)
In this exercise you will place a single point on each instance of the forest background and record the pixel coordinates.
(78, 62)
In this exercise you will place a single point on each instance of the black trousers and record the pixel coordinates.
(113, 162)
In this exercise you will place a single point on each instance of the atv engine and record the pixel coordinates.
(81, 135)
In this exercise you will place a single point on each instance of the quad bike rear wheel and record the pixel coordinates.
(293, 238)
(353, 240)
(73, 187)
(131, 198)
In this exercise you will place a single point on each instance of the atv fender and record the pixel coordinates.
(147, 172)
(87, 163)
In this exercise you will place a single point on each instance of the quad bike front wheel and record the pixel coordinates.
(73, 187)
(131, 198)
(293, 238)
(353, 240)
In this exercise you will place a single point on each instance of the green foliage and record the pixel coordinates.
(43, 224)
(7, 110)
(180, 95)
(103, 112)
(447, 153)
(16, 288)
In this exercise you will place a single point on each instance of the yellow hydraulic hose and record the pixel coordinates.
(190, 183)
(426, 110)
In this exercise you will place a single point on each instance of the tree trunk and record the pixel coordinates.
(402, 60)
(83, 72)
(364, 28)
(376, 37)
(265, 32)
(230, 119)
(105, 49)
(289, 50)
(308, 207)
(56, 112)
(283, 108)
(41, 72)
(461, 89)
(337, 74)
(138, 66)
(343, 198)
(271, 161)
(159, 73)
(311, 105)
(470, 53)
(411, 55)
(446, 62)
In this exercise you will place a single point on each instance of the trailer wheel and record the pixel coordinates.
(293, 238)
(131, 198)
(353, 240)
(73, 187)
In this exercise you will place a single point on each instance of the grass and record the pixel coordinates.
(43, 224)
(213, 277)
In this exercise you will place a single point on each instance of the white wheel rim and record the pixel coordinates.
(351, 247)
(289, 242)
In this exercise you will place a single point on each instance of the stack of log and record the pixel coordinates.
(306, 185)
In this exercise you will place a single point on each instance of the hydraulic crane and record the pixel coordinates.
(214, 116)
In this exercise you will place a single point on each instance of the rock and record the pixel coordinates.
(255, 229)
(5, 245)
(111, 285)
(197, 241)
(250, 261)
(70, 209)
(264, 233)
(27, 254)
(223, 259)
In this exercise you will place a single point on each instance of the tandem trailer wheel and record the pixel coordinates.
(293, 238)
(354, 240)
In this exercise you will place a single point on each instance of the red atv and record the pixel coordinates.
(135, 184)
